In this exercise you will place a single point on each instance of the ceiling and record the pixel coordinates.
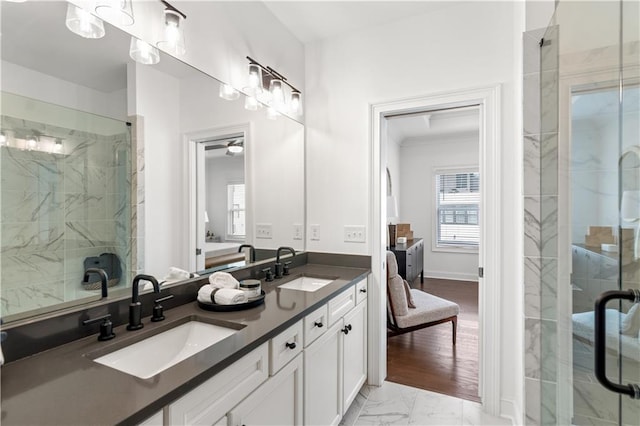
(434, 126)
(311, 21)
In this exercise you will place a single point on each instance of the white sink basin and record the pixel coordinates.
(155, 354)
(306, 283)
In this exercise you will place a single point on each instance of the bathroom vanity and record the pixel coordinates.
(301, 351)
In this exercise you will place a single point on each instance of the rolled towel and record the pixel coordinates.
(223, 280)
(204, 294)
(229, 296)
(148, 286)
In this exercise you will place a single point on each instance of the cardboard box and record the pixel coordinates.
(404, 230)
(597, 235)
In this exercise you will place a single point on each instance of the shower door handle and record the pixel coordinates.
(631, 389)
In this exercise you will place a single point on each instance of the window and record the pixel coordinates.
(236, 211)
(457, 209)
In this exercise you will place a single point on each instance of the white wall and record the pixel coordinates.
(464, 46)
(36, 85)
(219, 172)
(164, 180)
(418, 161)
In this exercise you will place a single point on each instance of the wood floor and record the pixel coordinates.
(426, 358)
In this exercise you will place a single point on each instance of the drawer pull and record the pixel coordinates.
(347, 328)
(318, 324)
(290, 345)
(363, 290)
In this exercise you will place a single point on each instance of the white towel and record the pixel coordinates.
(228, 296)
(204, 294)
(223, 280)
(176, 274)
(148, 285)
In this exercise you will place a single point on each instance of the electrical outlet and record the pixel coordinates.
(355, 234)
(264, 230)
(297, 231)
(315, 232)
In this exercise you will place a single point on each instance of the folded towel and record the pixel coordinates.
(223, 280)
(228, 296)
(148, 286)
(204, 294)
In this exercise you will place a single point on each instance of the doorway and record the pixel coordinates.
(487, 101)
(434, 182)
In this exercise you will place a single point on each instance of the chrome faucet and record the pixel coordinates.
(135, 308)
(104, 279)
(278, 266)
(252, 251)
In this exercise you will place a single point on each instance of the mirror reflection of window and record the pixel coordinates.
(236, 211)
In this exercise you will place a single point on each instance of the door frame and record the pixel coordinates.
(191, 140)
(488, 99)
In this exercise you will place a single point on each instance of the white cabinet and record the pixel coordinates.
(278, 401)
(155, 420)
(284, 347)
(354, 349)
(335, 365)
(209, 403)
(323, 379)
(315, 324)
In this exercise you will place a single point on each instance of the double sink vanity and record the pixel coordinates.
(299, 358)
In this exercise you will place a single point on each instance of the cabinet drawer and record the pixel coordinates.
(315, 324)
(361, 291)
(341, 304)
(211, 401)
(284, 347)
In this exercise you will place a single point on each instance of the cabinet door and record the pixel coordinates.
(155, 420)
(419, 260)
(354, 368)
(323, 379)
(411, 260)
(277, 402)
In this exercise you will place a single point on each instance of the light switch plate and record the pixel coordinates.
(297, 231)
(355, 234)
(264, 230)
(315, 232)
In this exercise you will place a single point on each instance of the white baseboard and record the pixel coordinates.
(447, 275)
(510, 410)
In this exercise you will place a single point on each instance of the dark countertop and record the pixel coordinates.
(64, 386)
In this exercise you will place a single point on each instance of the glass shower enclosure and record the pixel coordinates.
(590, 196)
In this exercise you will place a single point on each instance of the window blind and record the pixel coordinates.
(236, 210)
(457, 205)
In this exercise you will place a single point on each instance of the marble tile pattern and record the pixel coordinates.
(393, 403)
(58, 209)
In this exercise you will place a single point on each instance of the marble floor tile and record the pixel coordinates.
(393, 404)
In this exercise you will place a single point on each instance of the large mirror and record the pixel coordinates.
(132, 168)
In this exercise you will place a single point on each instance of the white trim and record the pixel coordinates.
(190, 140)
(489, 294)
(510, 410)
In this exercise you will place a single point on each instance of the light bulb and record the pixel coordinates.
(255, 76)
(142, 52)
(3, 139)
(296, 103)
(81, 22)
(250, 103)
(272, 113)
(235, 149)
(228, 92)
(57, 146)
(173, 39)
(277, 94)
(32, 143)
(117, 11)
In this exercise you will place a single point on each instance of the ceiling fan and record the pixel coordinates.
(233, 146)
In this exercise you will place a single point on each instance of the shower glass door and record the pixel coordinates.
(590, 199)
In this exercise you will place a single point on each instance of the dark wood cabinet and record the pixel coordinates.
(410, 257)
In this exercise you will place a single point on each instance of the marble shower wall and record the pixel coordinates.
(58, 209)
(540, 192)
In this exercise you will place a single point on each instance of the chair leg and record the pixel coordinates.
(454, 323)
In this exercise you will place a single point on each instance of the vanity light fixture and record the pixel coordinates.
(142, 52)
(83, 23)
(228, 92)
(116, 11)
(251, 103)
(173, 35)
(276, 98)
(3, 139)
(235, 149)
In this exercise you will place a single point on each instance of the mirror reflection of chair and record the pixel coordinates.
(412, 309)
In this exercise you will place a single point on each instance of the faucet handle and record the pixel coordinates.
(158, 310)
(268, 274)
(285, 268)
(106, 328)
